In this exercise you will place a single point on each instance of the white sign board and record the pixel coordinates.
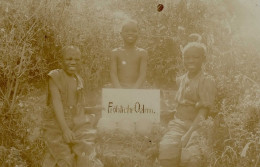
(131, 104)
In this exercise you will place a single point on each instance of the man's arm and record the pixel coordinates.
(143, 67)
(58, 110)
(113, 71)
(195, 125)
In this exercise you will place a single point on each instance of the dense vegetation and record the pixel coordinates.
(32, 32)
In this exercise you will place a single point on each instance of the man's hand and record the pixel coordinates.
(68, 136)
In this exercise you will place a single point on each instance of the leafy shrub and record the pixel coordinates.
(32, 33)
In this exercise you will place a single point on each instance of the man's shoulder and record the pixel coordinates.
(56, 76)
(141, 50)
(55, 73)
(117, 49)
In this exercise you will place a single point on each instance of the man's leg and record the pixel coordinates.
(191, 154)
(84, 147)
(59, 152)
(83, 151)
(170, 145)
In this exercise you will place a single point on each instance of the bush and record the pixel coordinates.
(32, 33)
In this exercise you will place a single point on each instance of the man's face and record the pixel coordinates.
(129, 33)
(71, 61)
(193, 60)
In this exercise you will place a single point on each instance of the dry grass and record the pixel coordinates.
(32, 32)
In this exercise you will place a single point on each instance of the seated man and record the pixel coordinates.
(196, 95)
(68, 134)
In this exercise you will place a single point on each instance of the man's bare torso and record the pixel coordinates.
(128, 65)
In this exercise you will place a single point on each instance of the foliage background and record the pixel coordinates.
(32, 32)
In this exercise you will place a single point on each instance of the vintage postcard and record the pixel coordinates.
(129, 83)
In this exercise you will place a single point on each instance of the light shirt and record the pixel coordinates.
(199, 91)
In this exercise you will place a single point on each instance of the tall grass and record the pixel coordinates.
(32, 33)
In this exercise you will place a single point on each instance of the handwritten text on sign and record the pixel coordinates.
(131, 104)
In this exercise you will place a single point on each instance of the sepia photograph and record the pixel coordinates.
(130, 83)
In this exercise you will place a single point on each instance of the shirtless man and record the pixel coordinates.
(128, 63)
